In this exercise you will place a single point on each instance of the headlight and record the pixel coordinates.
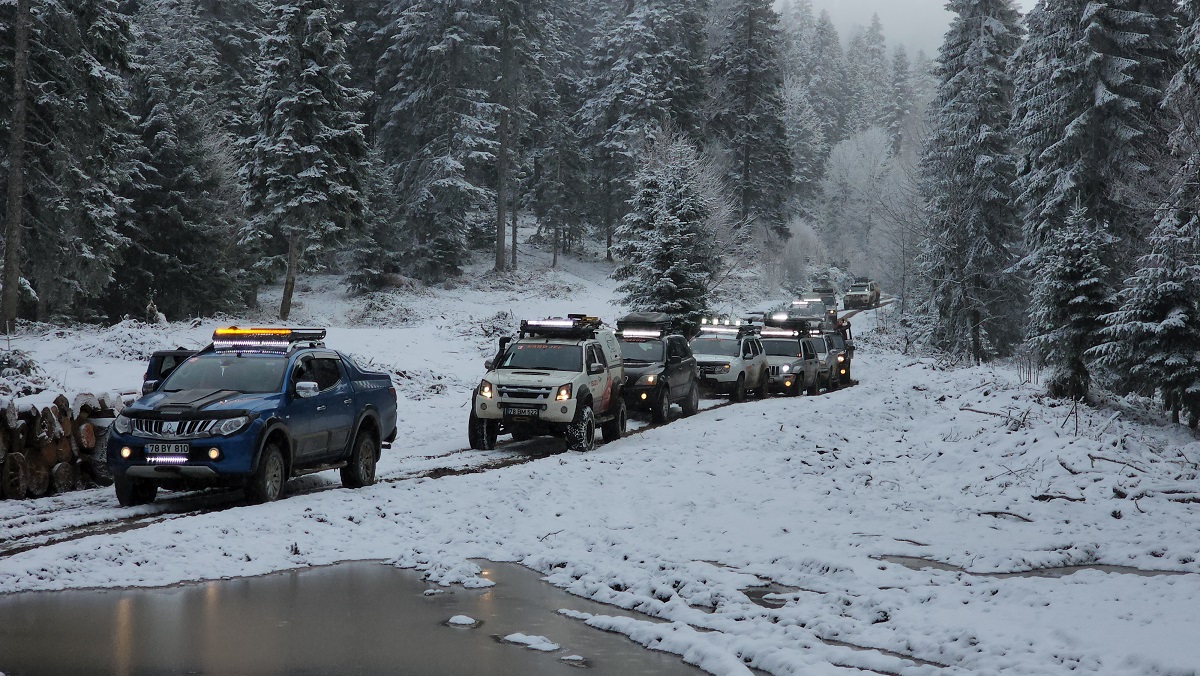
(485, 389)
(648, 379)
(564, 393)
(231, 425)
(841, 358)
(786, 368)
(725, 368)
(122, 424)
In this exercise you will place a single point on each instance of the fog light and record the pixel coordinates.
(843, 371)
(214, 453)
(563, 409)
(787, 383)
(483, 407)
(126, 452)
(643, 396)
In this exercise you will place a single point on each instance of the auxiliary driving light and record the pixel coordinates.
(126, 452)
(787, 383)
(214, 453)
(643, 395)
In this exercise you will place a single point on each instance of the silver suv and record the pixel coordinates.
(560, 377)
(732, 360)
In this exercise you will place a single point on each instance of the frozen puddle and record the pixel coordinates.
(918, 563)
(363, 618)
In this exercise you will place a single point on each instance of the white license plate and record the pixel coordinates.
(519, 412)
(162, 449)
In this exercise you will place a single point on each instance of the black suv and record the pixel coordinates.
(659, 366)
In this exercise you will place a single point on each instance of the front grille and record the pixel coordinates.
(774, 370)
(712, 368)
(524, 391)
(172, 429)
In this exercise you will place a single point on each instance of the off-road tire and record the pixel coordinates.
(661, 412)
(815, 388)
(739, 389)
(266, 484)
(581, 434)
(846, 378)
(482, 433)
(615, 429)
(833, 382)
(764, 387)
(797, 386)
(692, 403)
(360, 468)
(132, 492)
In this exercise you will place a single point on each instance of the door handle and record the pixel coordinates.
(320, 408)
(347, 401)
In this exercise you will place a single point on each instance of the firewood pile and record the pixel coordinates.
(55, 447)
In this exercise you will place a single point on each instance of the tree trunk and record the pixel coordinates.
(289, 284)
(514, 230)
(16, 169)
(502, 160)
(608, 218)
(554, 261)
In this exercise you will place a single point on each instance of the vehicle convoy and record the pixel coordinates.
(252, 409)
(864, 294)
(560, 377)
(731, 358)
(792, 357)
(826, 296)
(660, 369)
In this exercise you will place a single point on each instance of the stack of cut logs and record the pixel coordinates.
(55, 448)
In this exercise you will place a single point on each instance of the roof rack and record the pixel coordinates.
(573, 326)
(733, 327)
(644, 325)
(267, 339)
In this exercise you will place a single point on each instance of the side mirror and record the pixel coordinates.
(595, 368)
(306, 389)
(488, 363)
(149, 386)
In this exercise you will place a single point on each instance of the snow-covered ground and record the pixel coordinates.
(834, 504)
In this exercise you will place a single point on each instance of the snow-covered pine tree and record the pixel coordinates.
(967, 172)
(1068, 300)
(307, 165)
(437, 126)
(79, 124)
(648, 66)
(372, 253)
(869, 79)
(828, 87)
(747, 114)
(667, 241)
(806, 140)
(182, 220)
(898, 108)
(799, 27)
(1153, 339)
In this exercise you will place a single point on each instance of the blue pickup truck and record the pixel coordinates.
(252, 409)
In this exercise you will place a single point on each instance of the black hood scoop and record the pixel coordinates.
(189, 401)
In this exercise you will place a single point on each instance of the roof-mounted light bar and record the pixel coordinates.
(573, 325)
(264, 338)
(780, 333)
(640, 333)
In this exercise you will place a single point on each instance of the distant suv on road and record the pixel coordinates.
(560, 377)
(863, 294)
(731, 359)
(827, 297)
(792, 358)
(252, 409)
(660, 369)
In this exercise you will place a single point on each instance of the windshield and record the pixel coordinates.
(642, 350)
(820, 346)
(836, 341)
(544, 357)
(724, 347)
(782, 347)
(242, 372)
(808, 309)
(859, 288)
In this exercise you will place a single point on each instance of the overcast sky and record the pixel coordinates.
(918, 24)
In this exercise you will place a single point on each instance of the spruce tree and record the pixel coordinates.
(869, 80)
(747, 119)
(828, 86)
(666, 241)
(899, 106)
(1068, 300)
(967, 172)
(437, 126)
(307, 166)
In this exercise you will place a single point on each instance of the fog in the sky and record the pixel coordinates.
(917, 24)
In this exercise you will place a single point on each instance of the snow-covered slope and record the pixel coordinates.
(832, 504)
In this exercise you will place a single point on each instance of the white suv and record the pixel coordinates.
(560, 377)
(732, 359)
